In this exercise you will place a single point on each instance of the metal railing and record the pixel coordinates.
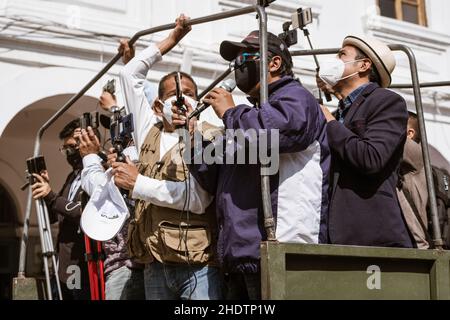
(262, 16)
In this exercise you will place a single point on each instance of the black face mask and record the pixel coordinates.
(247, 76)
(75, 160)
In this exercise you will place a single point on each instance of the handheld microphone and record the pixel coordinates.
(228, 85)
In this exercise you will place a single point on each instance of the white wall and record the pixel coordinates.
(43, 64)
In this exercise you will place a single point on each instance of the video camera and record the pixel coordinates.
(34, 165)
(299, 20)
(89, 120)
(121, 130)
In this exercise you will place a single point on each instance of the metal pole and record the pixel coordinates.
(24, 240)
(269, 222)
(316, 52)
(422, 85)
(437, 236)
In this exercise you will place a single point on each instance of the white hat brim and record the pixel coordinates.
(105, 213)
(382, 69)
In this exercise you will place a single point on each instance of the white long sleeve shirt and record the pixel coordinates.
(93, 174)
(162, 193)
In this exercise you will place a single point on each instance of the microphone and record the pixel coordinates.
(228, 85)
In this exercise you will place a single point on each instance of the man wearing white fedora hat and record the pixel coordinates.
(367, 136)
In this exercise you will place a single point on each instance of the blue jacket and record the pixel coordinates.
(367, 149)
(299, 190)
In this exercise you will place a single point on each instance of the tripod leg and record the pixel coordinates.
(101, 271)
(90, 265)
(51, 248)
(58, 284)
(44, 248)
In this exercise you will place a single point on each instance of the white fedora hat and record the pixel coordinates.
(377, 51)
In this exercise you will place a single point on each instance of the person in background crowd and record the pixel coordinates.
(412, 190)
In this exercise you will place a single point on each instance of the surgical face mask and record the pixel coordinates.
(168, 104)
(75, 160)
(332, 71)
(247, 76)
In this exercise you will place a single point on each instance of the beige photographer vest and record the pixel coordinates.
(167, 235)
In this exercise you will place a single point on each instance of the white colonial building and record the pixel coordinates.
(50, 49)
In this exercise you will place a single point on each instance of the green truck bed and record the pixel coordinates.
(322, 272)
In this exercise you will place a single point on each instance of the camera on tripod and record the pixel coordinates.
(299, 20)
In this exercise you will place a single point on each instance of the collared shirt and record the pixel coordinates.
(74, 186)
(344, 105)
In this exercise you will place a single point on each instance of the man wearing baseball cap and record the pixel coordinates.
(298, 189)
(367, 138)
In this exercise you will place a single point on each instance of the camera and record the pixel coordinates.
(301, 18)
(179, 93)
(288, 36)
(121, 130)
(34, 165)
(89, 120)
(121, 127)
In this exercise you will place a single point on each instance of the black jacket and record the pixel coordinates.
(366, 154)
(70, 242)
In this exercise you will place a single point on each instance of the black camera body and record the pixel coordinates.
(290, 37)
(34, 165)
(179, 93)
(89, 120)
(121, 130)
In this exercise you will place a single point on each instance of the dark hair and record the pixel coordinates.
(161, 87)
(413, 122)
(374, 76)
(286, 66)
(70, 128)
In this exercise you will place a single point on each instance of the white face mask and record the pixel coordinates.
(168, 104)
(332, 71)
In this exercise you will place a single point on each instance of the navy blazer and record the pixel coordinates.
(366, 154)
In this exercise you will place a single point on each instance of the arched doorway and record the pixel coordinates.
(16, 145)
(9, 242)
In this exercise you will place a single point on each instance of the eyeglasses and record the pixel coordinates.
(68, 150)
(245, 57)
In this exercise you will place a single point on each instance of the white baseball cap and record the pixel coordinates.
(105, 213)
